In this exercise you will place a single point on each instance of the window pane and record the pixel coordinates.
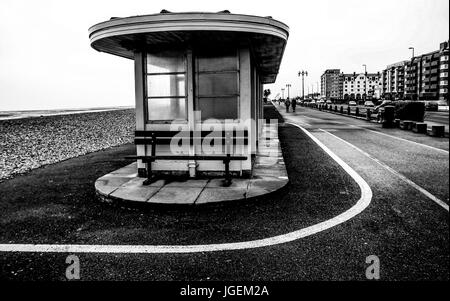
(210, 84)
(166, 61)
(166, 108)
(166, 85)
(218, 108)
(217, 63)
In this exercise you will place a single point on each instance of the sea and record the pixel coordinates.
(7, 115)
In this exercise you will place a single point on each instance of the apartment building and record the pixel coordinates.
(443, 72)
(361, 86)
(331, 84)
(425, 77)
(393, 81)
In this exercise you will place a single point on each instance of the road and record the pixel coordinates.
(423, 158)
(440, 117)
(408, 174)
(437, 117)
(405, 224)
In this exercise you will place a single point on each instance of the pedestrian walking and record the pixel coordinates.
(294, 104)
(287, 103)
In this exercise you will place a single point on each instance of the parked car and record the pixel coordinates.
(383, 104)
(352, 103)
(329, 101)
(368, 104)
(431, 106)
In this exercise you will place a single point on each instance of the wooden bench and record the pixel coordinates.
(226, 138)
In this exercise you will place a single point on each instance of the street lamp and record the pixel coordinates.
(412, 48)
(288, 86)
(303, 74)
(365, 82)
(411, 64)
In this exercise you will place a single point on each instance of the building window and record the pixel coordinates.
(217, 84)
(166, 86)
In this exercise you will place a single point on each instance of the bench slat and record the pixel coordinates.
(170, 134)
(196, 157)
(166, 141)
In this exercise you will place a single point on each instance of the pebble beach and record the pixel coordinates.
(30, 143)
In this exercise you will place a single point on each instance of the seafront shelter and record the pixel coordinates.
(198, 76)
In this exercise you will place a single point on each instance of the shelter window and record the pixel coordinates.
(166, 86)
(217, 84)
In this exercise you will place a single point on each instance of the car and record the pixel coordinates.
(352, 103)
(368, 104)
(329, 101)
(383, 104)
(431, 106)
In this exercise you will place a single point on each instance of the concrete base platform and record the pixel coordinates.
(269, 175)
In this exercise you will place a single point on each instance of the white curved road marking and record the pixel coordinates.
(402, 177)
(361, 204)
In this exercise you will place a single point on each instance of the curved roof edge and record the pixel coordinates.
(268, 37)
(187, 16)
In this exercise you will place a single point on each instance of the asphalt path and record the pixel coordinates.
(402, 226)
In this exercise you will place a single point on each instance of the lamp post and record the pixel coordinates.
(288, 86)
(365, 82)
(282, 93)
(416, 76)
(412, 48)
(303, 74)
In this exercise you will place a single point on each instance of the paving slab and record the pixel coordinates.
(176, 195)
(211, 195)
(220, 183)
(135, 194)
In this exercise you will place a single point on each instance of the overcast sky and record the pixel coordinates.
(46, 61)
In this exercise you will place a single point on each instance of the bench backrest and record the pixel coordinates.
(195, 137)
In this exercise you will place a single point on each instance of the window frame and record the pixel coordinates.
(147, 98)
(196, 75)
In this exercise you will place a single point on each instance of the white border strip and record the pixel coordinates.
(362, 203)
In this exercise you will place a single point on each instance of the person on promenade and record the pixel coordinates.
(294, 104)
(287, 104)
